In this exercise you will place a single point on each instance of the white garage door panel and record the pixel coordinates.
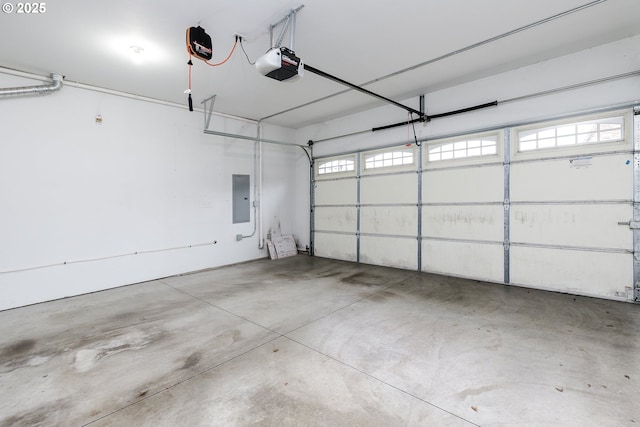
(479, 184)
(397, 220)
(389, 189)
(594, 226)
(557, 180)
(335, 219)
(339, 192)
(391, 252)
(464, 222)
(580, 272)
(336, 246)
(478, 261)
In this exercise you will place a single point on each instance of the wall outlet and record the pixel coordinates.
(238, 237)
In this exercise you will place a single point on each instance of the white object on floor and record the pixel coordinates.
(282, 247)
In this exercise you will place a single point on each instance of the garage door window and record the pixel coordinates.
(336, 166)
(464, 148)
(610, 129)
(388, 159)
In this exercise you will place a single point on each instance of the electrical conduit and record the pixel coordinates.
(259, 182)
(54, 86)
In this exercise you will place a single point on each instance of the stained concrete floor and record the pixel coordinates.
(313, 342)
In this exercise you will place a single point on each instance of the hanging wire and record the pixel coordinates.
(245, 53)
(413, 124)
(188, 91)
(408, 128)
(228, 56)
(190, 64)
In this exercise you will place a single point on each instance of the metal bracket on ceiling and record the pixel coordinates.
(289, 20)
(208, 110)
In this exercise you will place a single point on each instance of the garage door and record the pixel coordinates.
(335, 211)
(388, 207)
(463, 213)
(369, 213)
(571, 205)
(548, 205)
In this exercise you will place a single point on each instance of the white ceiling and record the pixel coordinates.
(357, 40)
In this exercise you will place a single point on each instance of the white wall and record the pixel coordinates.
(146, 179)
(600, 62)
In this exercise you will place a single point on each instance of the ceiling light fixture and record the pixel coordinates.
(137, 54)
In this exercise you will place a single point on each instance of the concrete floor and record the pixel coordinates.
(314, 342)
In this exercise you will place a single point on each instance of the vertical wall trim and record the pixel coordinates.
(358, 180)
(420, 163)
(636, 202)
(312, 198)
(507, 204)
(421, 100)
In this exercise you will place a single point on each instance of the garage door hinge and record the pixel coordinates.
(633, 225)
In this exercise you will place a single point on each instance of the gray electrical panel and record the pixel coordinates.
(241, 199)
